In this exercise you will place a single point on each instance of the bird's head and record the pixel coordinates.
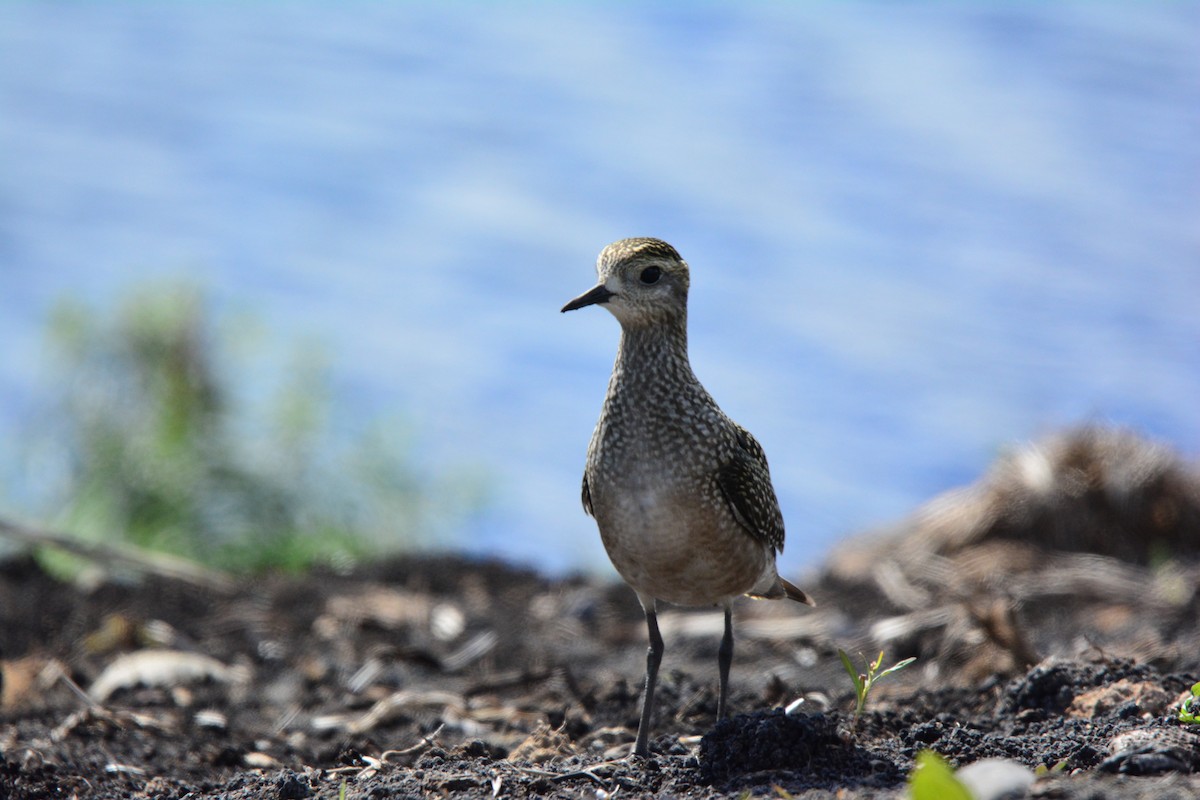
(642, 281)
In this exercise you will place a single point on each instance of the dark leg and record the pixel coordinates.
(653, 659)
(724, 659)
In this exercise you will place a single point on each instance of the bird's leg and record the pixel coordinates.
(724, 660)
(653, 659)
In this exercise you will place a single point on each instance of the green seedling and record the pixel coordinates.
(933, 779)
(1041, 770)
(1190, 710)
(864, 681)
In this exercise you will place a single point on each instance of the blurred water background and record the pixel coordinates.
(918, 233)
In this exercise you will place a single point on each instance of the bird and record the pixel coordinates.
(681, 493)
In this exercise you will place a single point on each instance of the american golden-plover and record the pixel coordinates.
(681, 493)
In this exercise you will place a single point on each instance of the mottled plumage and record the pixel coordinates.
(681, 494)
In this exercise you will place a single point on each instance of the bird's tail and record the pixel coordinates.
(784, 589)
(794, 592)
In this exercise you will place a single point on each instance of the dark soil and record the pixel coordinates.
(453, 678)
(447, 677)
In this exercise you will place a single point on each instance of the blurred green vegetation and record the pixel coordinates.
(159, 432)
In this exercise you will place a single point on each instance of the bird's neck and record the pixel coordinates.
(654, 353)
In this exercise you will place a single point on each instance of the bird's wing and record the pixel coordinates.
(587, 497)
(745, 483)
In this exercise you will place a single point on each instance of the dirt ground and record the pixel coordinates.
(1052, 610)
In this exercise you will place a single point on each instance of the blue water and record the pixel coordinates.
(918, 233)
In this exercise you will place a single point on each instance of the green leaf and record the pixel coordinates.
(933, 779)
(897, 666)
(851, 670)
(1189, 712)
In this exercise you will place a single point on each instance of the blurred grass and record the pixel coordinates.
(150, 434)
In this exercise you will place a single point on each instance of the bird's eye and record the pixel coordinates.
(650, 275)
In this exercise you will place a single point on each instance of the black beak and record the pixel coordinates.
(600, 294)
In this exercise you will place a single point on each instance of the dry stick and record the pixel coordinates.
(579, 773)
(75, 687)
(374, 763)
(426, 741)
(511, 681)
(160, 564)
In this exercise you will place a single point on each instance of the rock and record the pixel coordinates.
(996, 779)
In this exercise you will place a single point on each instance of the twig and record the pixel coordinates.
(426, 741)
(563, 776)
(161, 564)
(509, 681)
(374, 764)
(74, 687)
(397, 701)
